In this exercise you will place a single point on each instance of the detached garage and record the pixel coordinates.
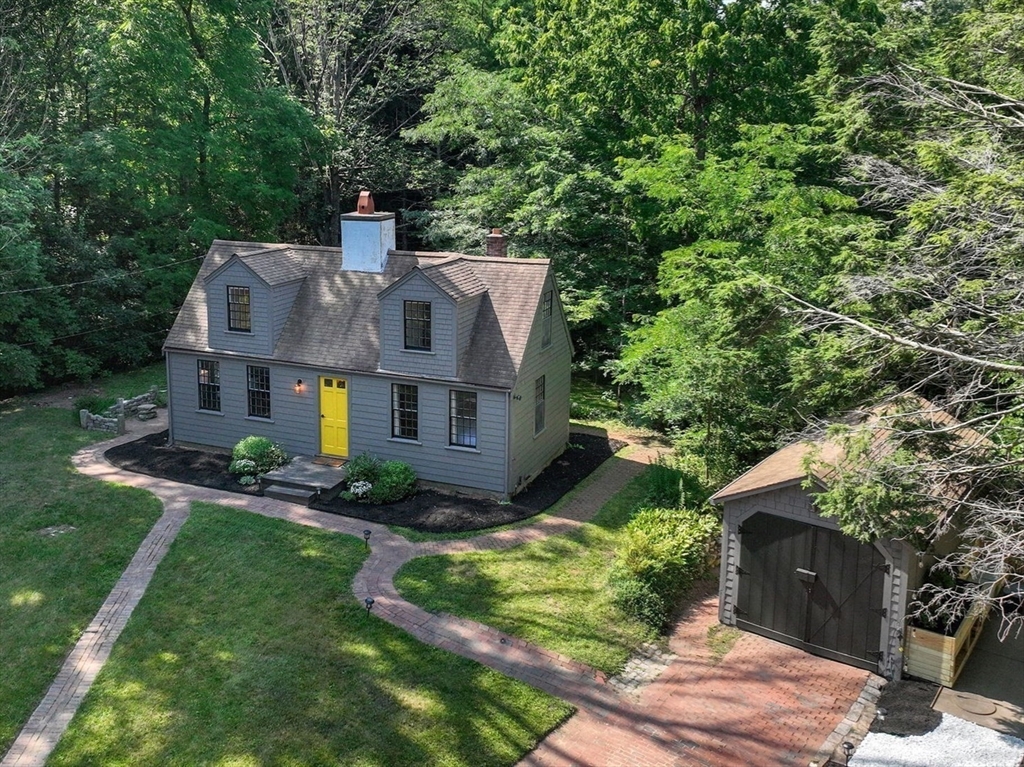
(791, 575)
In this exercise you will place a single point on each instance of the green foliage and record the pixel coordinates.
(718, 365)
(363, 468)
(372, 480)
(256, 455)
(96, 404)
(664, 551)
(676, 481)
(395, 481)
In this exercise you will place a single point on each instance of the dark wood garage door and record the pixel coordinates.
(811, 587)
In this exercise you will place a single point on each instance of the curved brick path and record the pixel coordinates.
(769, 704)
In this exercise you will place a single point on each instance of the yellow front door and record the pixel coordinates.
(334, 416)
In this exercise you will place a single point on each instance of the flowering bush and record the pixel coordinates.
(372, 480)
(360, 489)
(258, 454)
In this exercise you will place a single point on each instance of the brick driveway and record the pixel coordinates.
(764, 704)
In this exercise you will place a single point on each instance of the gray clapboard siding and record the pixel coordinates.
(440, 361)
(257, 342)
(295, 417)
(532, 453)
(295, 421)
(433, 460)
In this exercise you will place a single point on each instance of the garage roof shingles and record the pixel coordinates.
(789, 466)
(335, 320)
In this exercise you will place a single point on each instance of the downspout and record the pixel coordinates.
(508, 444)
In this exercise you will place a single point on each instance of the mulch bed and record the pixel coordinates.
(427, 511)
(150, 455)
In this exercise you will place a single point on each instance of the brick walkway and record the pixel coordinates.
(766, 704)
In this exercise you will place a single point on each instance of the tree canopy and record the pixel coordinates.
(762, 214)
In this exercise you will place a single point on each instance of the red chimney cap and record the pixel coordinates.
(365, 204)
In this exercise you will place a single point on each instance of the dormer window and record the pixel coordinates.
(417, 325)
(239, 314)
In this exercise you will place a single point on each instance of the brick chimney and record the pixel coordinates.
(497, 244)
(366, 237)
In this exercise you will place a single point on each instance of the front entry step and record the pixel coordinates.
(301, 495)
(303, 479)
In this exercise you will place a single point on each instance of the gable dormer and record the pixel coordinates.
(427, 318)
(249, 298)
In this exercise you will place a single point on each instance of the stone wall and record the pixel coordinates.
(93, 422)
(112, 419)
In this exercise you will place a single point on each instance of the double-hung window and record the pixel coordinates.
(462, 418)
(546, 311)
(405, 411)
(239, 314)
(259, 391)
(538, 405)
(209, 385)
(417, 325)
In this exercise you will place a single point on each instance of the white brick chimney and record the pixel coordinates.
(366, 237)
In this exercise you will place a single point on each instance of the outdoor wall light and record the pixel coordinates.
(298, 386)
(369, 604)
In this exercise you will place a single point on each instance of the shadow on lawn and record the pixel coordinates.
(247, 654)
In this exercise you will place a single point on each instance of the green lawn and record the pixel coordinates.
(552, 592)
(248, 649)
(51, 586)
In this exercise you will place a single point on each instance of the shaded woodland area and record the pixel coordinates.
(762, 214)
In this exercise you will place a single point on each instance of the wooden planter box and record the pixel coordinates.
(940, 658)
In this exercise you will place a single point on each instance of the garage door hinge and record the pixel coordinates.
(738, 611)
(886, 568)
(883, 611)
(741, 571)
(740, 530)
(880, 655)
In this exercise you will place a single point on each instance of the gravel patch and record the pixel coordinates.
(954, 743)
(643, 667)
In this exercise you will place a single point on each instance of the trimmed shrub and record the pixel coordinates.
(256, 455)
(664, 552)
(395, 481)
(637, 598)
(372, 480)
(363, 468)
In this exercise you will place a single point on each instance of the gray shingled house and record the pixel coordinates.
(457, 364)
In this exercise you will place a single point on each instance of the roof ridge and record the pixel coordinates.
(264, 251)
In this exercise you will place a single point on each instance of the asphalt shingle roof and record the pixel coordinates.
(787, 466)
(335, 320)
